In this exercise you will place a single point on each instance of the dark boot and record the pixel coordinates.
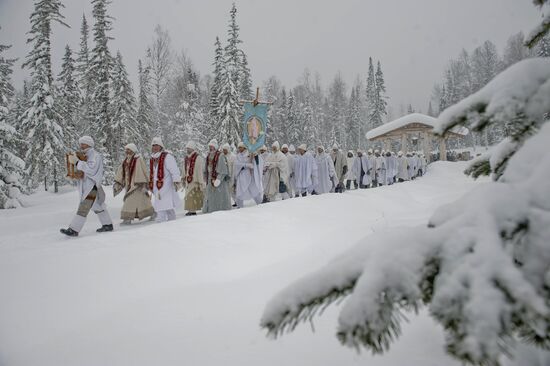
(69, 232)
(105, 228)
(192, 213)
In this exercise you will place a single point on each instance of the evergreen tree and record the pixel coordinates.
(11, 166)
(68, 98)
(381, 103)
(85, 80)
(293, 127)
(515, 50)
(431, 110)
(353, 125)
(246, 80)
(228, 127)
(160, 61)
(125, 126)
(233, 54)
(373, 118)
(410, 109)
(337, 104)
(543, 47)
(42, 119)
(101, 65)
(216, 83)
(144, 117)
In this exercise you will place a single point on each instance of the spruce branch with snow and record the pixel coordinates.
(480, 266)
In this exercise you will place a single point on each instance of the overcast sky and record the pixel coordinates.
(413, 39)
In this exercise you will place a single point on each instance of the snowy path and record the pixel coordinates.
(191, 292)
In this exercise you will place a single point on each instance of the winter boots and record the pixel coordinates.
(69, 232)
(105, 228)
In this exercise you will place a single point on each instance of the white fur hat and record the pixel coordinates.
(86, 140)
(400, 153)
(369, 151)
(157, 141)
(376, 151)
(285, 146)
(291, 148)
(132, 147)
(335, 147)
(226, 147)
(275, 145)
(263, 148)
(241, 144)
(191, 145)
(213, 143)
(303, 147)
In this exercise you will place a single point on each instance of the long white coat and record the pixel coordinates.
(248, 176)
(356, 168)
(93, 175)
(291, 175)
(412, 166)
(350, 175)
(326, 174)
(402, 168)
(380, 167)
(276, 167)
(305, 170)
(167, 198)
(230, 157)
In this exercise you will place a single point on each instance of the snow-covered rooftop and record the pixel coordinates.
(407, 120)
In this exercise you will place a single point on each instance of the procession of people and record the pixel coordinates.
(223, 179)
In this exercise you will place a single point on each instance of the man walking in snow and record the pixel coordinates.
(305, 170)
(380, 169)
(402, 167)
(218, 179)
(164, 181)
(326, 175)
(340, 166)
(350, 175)
(193, 179)
(248, 170)
(362, 169)
(133, 176)
(230, 157)
(276, 172)
(92, 196)
(291, 186)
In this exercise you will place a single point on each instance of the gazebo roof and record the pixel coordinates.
(413, 118)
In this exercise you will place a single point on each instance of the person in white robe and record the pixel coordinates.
(380, 169)
(412, 166)
(164, 182)
(402, 167)
(423, 165)
(247, 171)
(340, 166)
(193, 179)
(263, 154)
(305, 170)
(390, 167)
(372, 166)
(91, 193)
(291, 186)
(362, 170)
(350, 175)
(327, 179)
(276, 170)
(230, 157)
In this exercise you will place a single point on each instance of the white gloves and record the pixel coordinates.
(178, 186)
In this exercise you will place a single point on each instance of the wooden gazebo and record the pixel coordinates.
(417, 127)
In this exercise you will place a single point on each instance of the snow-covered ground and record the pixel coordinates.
(191, 291)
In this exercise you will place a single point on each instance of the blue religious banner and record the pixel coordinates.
(254, 125)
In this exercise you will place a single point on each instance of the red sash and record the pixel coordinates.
(132, 169)
(214, 174)
(190, 166)
(160, 171)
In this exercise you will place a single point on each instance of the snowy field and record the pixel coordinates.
(191, 291)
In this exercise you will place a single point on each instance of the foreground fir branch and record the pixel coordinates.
(482, 264)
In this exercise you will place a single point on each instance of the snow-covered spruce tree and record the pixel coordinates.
(480, 266)
(233, 54)
(245, 86)
(216, 83)
(124, 125)
(229, 111)
(85, 81)
(381, 97)
(353, 124)
(373, 118)
(293, 127)
(42, 120)
(101, 66)
(160, 61)
(144, 116)
(68, 98)
(11, 166)
(337, 111)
